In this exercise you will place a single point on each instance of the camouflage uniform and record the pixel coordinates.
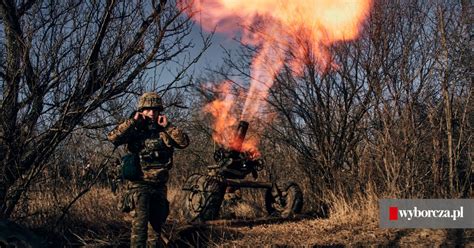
(154, 145)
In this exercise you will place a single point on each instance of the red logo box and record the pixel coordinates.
(393, 213)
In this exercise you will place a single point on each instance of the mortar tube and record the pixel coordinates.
(239, 135)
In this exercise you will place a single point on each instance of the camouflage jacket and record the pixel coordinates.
(154, 145)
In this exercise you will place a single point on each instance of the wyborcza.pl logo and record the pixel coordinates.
(409, 214)
(426, 213)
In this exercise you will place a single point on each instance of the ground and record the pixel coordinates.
(95, 221)
(310, 232)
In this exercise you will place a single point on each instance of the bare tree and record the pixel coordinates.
(393, 115)
(62, 61)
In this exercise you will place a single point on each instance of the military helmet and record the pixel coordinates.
(150, 100)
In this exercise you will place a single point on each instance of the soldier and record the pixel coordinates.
(151, 140)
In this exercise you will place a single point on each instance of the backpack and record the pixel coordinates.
(131, 169)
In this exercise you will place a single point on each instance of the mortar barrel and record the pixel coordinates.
(239, 135)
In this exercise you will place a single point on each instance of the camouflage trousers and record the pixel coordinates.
(149, 213)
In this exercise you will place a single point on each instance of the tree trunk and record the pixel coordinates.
(447, 104)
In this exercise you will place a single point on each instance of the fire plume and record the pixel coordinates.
(222, 109)
(286, 32)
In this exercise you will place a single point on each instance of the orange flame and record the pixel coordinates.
(223, 112)
(286, 32)
(220, 109)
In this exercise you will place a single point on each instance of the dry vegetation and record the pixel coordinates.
(95, 221)
(395, 121)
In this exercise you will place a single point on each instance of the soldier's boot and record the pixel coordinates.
(140, 216)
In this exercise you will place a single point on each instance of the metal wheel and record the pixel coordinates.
(285, 203)
(203, 198)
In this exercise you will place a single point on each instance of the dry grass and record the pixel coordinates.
(351, 223)
(348, 219)
(94, 220)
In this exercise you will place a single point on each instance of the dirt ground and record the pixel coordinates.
(303, 231)
(317, 233)
(93, 223)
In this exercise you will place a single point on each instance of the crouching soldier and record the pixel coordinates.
(150, 140)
